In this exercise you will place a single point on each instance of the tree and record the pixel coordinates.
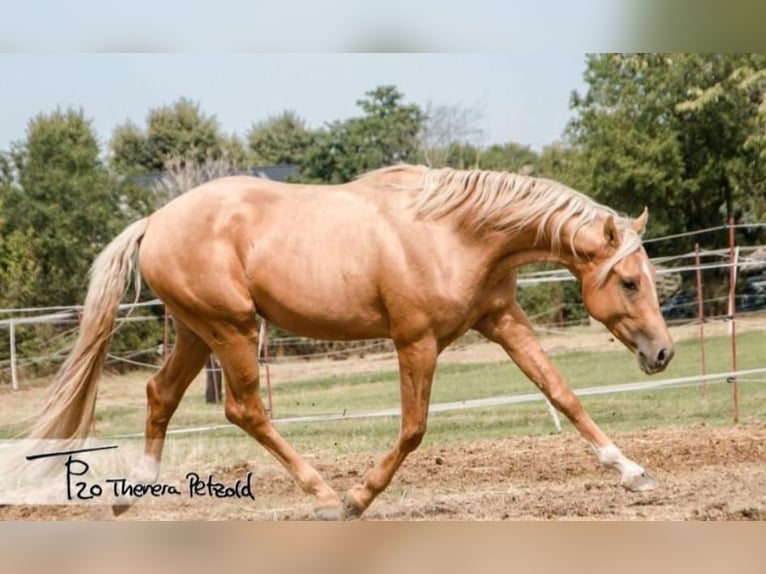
(385, 135)
(19, 268)
(129, 150)
(60, 207)
(281, 139)
(178, 130)
(737, 96)
(56, 187)
(181, 173)
(511, 157)
(562, 163)
(447, 130)
(675, 132)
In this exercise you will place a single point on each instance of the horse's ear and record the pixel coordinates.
(611, 234)
(639, 224)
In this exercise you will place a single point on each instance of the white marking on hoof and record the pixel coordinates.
(328, 513)
(147, 471)
(632, 475)
(639, 483)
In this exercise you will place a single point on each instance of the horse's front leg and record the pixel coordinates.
(511, 329)
(417, 363)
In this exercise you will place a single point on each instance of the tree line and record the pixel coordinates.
(684, 134)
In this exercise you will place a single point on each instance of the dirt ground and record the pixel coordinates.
(704, 473)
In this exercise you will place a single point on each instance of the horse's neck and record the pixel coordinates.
(527, 247)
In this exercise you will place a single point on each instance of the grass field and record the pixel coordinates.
(121, 405)
(456, 382)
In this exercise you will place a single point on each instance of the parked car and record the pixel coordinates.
(753, 297)
(682, 305)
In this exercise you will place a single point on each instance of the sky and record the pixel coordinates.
(520, 96)
(516, 62)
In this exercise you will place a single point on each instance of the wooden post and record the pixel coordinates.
(560, 305)
(14, 374)
(165, 334)
(263, 341)
(213, 380)
(701, 317)
(733, 257)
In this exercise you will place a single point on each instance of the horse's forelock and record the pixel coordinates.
(631, 242)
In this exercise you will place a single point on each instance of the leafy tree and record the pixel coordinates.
(19, 268)
(510, 157)
(675, 132)
(281, 139)
(61, 205)
(178, 130)
(129, 150)
(386, 134)
(562, 163)
(739, 102)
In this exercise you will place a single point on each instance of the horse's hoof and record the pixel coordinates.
(328, 513)
(640, 482)
(351, 510)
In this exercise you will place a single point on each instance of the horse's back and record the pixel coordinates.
(309, 256)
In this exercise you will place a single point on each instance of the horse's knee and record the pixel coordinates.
(161, 409)
(245, 416)
(411, 437)
(234, 412)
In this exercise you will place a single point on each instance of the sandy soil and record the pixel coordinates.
(704, 473)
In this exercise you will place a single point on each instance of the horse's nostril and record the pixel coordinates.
(662, 356)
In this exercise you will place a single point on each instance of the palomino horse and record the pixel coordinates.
(413, 254)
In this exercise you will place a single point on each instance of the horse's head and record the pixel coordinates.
(618, 289)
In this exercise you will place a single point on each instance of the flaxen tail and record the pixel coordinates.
(68, 412)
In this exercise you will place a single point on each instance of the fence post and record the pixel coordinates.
(263, 350)
(700, 317)
(733, 261)
(213, 380)
(14, 374)
(560, 306)
(165, 334)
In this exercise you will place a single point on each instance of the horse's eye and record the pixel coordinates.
(630, 284)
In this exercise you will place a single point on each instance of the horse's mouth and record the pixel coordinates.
(652, 367)
(643, 364)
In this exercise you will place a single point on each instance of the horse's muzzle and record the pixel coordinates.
(657, 361)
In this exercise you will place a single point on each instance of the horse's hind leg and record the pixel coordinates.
(163, 392)
(417, 363)
(237, 352)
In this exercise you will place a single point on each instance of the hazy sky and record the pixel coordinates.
(516, 61)
(523, 97)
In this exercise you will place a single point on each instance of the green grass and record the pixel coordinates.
(119, 413)
(456, 382)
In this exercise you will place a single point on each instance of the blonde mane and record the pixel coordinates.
(511, 202)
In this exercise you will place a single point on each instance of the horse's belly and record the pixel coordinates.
(324, 322)
(323, 307)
